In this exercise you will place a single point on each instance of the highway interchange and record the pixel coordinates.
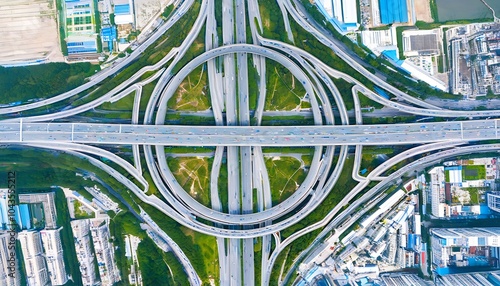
(240, 142)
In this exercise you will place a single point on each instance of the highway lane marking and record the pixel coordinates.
(21, 130)
(462, 129)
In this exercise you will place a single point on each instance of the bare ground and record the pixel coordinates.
(423, 11)
(29, 31)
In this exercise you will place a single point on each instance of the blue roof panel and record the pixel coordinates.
(122, 9)
(393, 11)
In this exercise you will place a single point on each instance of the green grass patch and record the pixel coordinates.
(366, 102)
(272, 20)
(476, 194)
(284, 91)
(21, 84)
(473, 172)
(434, 10)
(158, 267)
(285, 176)
(199, 248)
(193, 93)
(193, 174)
(447, 176)
(124, 104)
(167, 11)
(79, 212)
(253, 86)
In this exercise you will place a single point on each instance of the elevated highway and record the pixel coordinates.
(322, 135)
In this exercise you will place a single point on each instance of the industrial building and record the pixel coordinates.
(474, 59)
(81, 233)
(108, 36)
(123, 12)
(34, 264)
(342, 13)
(99, 229)
(493, 200)
(6, 266)
(393, 11)
(80, 28)
(420, 43)
(470, 279)
(51, 240)
(49, 207)
(464, 247)
(458, 189)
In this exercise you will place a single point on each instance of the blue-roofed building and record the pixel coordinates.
(393, 11)
(123, 11)
(79, 47)
(108, 35)
(80, 29)
(25, 216)
(494, 278)
(341, 13)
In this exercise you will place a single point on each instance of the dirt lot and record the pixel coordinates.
(29, 31)
(146, 9)
(423, 11)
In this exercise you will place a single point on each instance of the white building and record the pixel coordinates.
(437, 191)
(49, 206)
(456, 241)
(343, 12)
(6, 264)
(123, 10)
(31, 246)
(81, 234)
(51, 240)
(99, 229)
(493, 200)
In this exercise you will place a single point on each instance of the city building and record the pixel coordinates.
(51, 240)
(123, 12)
(464, 247)
(80, 29)
(342, 13)
(469, 279)
(81, 234)
(379, 41)
(474, 59)
(493, 200)
(34, 264)
(49, 207)
(395, 11)
(125, 22)
(99, 229)
(21, 213)
(459, 189)
(108, 37)
(400, 279)
(7, 266)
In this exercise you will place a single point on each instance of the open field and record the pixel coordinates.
(145, 10)
(285, 176)
(192, 94)
(193, 174)
(29, 31)
(284, 92)
(423, 10)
